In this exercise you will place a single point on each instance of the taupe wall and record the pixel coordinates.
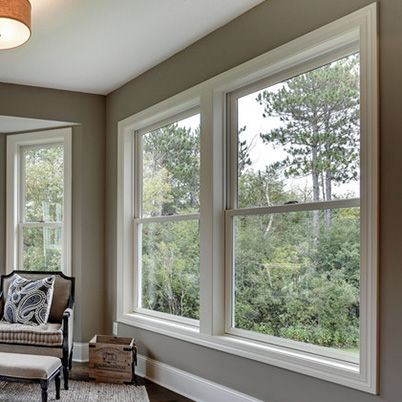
(88, 111)
(272, 23)
(2, 201)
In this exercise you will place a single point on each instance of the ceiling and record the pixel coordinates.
(96, 46)
(9, 124)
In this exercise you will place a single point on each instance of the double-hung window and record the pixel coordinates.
(167, 202)
(250, 224)
(293, 217)
(39, 200)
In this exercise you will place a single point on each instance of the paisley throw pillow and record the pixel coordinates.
(29, 301)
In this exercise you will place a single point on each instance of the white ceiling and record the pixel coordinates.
(96, 46)
(10, 124)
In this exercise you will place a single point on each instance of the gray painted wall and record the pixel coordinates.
(267, 26)
(88, 188)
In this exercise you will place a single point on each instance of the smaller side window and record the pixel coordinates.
(167, 219)
(39, 196)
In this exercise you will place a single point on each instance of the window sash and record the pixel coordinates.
(22, 210)
(138, 152)
(29, 225)
(230, 328)
(232, 115)
(137, 265)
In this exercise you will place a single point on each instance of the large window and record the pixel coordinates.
(39, 200)
(248, 213)
(294, 212)
(167, 218)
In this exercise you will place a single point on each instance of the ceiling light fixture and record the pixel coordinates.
(15, 23)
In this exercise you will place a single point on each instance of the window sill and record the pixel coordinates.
(325, 368)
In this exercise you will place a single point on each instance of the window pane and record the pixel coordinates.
(171, 169)
(170, 267)
(299, 140)
(297, 276)
(43, 185)
(42, 248)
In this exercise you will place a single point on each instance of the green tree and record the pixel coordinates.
(171, 170)
(170, 250)
(319, 115)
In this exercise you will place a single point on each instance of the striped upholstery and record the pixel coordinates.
(41, 335)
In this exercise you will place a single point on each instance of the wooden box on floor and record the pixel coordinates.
(112, 359)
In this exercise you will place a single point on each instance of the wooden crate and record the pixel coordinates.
(112, 359)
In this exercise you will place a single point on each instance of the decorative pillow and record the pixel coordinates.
(29, 300)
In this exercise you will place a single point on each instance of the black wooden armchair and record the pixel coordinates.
(53, 339)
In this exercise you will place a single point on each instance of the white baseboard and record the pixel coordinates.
(186, 384)
(80, 352)
(196, 388)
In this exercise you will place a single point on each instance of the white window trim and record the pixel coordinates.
(338, 37)
(15, 142)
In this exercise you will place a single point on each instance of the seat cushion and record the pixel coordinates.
(28, 366)
(41, 335)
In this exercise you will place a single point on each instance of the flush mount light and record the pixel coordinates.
(15, 23)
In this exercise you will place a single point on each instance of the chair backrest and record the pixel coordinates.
(63, 294)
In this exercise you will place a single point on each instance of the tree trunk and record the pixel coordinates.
(316, 191)
(328, 195)
(271, 218)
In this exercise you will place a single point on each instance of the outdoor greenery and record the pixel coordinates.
(43, 203)
(170, 250)
(297, 273)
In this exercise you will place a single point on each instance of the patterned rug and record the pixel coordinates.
(81, 391)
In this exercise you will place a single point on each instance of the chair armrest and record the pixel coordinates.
(1, 305)
(67, 327)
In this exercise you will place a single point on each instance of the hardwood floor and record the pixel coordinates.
(156, 393)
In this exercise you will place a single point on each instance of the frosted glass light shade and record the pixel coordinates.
(15, 23)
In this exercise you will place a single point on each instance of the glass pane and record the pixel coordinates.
(42, 248)
(171, 169)
(43, 168)
(171, 267)
(299, 140)
(297, 276)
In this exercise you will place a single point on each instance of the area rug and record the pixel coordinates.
(82, 391)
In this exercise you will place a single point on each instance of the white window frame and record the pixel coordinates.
(355, 31)
(16, 143)
(233, 210)
(138, 218)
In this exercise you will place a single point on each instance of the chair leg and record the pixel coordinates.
(70, 360)
(44, 385)
(57, 381)
(65, 375)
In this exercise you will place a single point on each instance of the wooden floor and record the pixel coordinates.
(156, 393)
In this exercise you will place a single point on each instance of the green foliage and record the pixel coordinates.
(296, 274)
(170, 250)
(319, 114)
(170, 268)
(286, 282)
(44, 173)
(171, 171)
